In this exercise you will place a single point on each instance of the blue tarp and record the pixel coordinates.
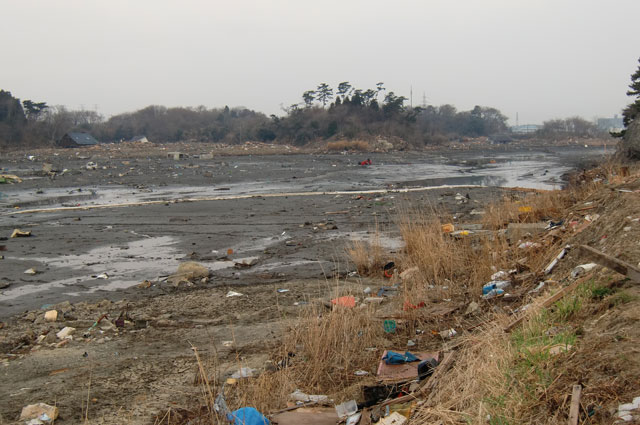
(396, 358)
(247, 416)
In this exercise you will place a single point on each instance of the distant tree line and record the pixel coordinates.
(558, 129)
(323, 114)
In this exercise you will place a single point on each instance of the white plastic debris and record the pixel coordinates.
(361, 373)
(354, 419)
(582, 269)
(537, 288)
(234, 294)
(65, 332)
(346, 409)
(394, 418)
(499, 275)
(449, 333)
(298, 395)
(529, 244)
(559, 257)
(244, 372)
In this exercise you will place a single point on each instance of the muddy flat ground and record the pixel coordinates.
(259, 223)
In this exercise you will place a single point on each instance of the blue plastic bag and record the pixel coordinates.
(396, 358)
(247, 416)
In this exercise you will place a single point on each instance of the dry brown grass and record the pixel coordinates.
(331, 345)
(461, 264)
(349, 145)
(368, 257)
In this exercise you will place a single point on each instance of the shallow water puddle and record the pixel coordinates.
(139, 260)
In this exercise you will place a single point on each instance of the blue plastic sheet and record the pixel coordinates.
(247, 416)
(396, 358)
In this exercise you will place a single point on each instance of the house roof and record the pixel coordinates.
(134, 138)
(83, 138)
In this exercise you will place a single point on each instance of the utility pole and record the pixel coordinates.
(516, 119)
(424, 99)
(411, 96)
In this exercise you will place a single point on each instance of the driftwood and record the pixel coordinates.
(612, 263)
(574, 410)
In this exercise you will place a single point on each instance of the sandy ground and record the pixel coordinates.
(126, 375)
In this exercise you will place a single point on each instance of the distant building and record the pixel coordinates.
(76, 140)
(525, 128)
(140, 139)
(610, 124)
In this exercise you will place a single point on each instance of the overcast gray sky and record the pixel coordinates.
(541, 58)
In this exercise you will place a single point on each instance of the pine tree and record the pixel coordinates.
(632, 111)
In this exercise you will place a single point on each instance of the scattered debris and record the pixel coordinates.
(628, 412)
(307, 416)
(32, 271)
(247, 416)
(51, 316)
(67, 331)
(559, 257)
(298, 395)
(494, 288)
(582, 268)
(9, 178)
(348, 301)
(448, 228)
(448, 333)
(244, 372)
(36, 411)
(389, 326)
(404, 371)
(394, 418)
(17, 233)
(233, 294)
(347, 408)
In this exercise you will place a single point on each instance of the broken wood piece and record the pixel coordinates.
(574, 410)
(612, 263)
(336, 212)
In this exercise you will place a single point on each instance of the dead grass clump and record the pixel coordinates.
(267, 392)
(367, 257)
(329, 346)
(349, 145)
(532, 208)
(460, 263)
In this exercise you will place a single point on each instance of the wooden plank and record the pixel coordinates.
(574, 410)
(552, 299)
(612, 263)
